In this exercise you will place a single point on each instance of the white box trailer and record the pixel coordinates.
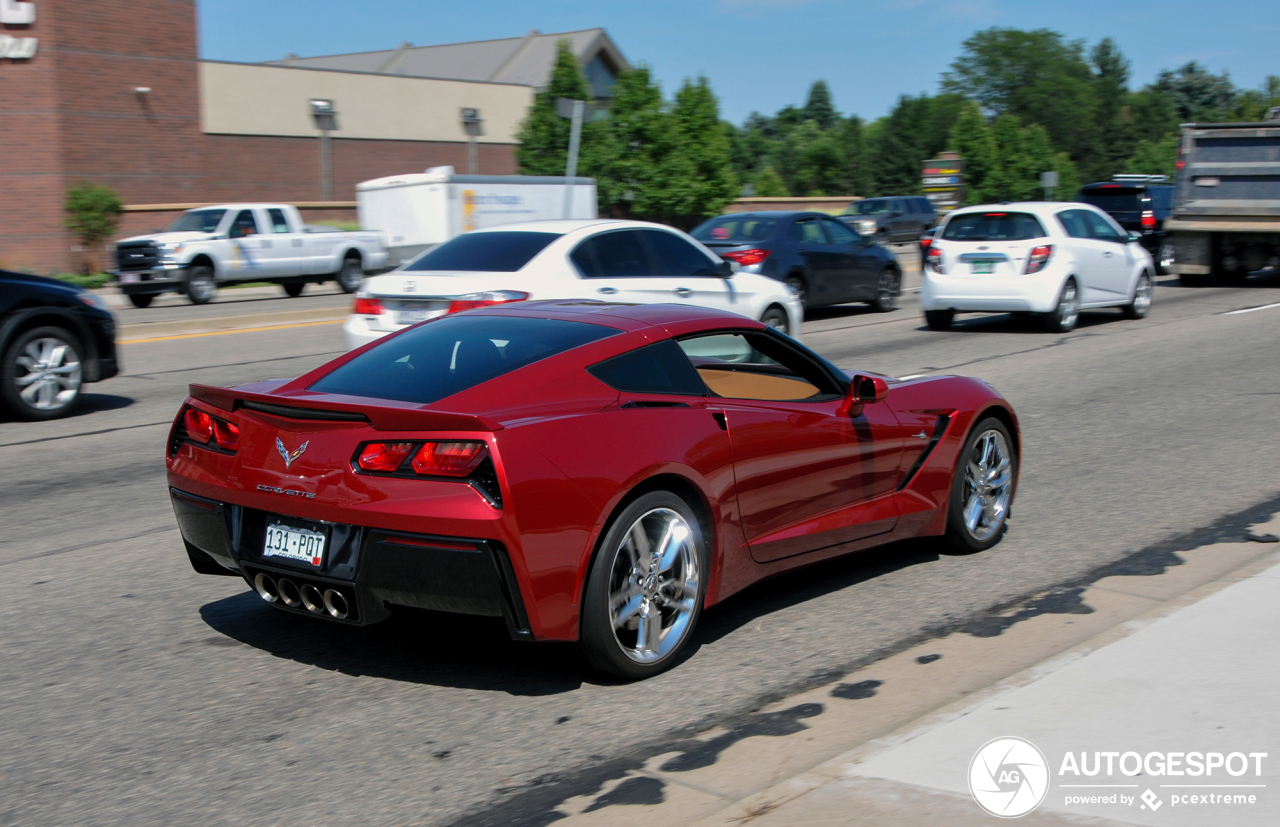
(418, 211)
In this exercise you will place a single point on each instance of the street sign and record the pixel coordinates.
(1049, 180)
(942, 181)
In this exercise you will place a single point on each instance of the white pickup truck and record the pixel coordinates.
(211, 246)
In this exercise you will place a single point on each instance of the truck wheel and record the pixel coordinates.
(141, 300)
(200, 284)
(293, 289)
(351, 274)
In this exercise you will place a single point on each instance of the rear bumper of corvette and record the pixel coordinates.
(369, 570)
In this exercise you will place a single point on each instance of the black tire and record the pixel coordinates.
(200, 284)
(887, 291)
(1140, 305)
(293, 289)
(54, 356)
(351, 274)
(939, 319)
(602, 646)
(983, 536)
(141, 300)
(777, 318)
(1063, 318)
(797, 283)
(1193, 280)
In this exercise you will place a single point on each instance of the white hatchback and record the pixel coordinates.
(1053, 258)
(606, 260)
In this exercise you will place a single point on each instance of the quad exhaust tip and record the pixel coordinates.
(289, 594)
(267, 588)
(336, 604)
(312, 599)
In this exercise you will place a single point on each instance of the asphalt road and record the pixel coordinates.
(135, 691)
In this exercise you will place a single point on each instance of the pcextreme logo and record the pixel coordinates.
(1008, 777)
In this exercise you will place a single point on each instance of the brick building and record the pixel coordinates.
(115, 93)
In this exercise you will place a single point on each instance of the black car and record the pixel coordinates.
(823, 260)
(891, 219)
(1138, 203)
(54, 338)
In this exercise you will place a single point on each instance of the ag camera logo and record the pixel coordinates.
(1008, 777)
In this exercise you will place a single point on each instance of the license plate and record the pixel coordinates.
(413, 316)
(982, 267)
(292, 542)
(130, 278)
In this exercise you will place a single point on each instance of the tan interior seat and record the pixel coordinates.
(763, 386)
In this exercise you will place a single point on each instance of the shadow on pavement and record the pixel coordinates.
(89, 403)
(413, 646)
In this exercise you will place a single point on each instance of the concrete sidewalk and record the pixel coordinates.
(1175, 653)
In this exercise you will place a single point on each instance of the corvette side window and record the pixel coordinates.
(656, 368)
(756, 366)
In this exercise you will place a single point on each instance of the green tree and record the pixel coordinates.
(1197, 93)
(1113, 140)
(629, 158)
(818, 159)
(768, 184)
(1155, 157)
(971, 137)
(701, 179)
(1036, 76)
(819, 108)
(544, 135)
(93, 213)
(859, 171)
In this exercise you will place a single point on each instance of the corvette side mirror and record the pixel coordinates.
(863, 390)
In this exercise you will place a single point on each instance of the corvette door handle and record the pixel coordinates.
(683, 292)
(608, 291)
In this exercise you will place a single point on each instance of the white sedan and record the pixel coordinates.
(607, 260)
(1053, 258)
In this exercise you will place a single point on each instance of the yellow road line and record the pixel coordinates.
(225, 332)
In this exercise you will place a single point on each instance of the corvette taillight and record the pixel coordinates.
(199, 425)
(384, 456)
(226, 434)
(1039, 258)
(201, 428)
(934, 261)
(449, 459)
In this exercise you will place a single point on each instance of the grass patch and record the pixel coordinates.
(89, 282)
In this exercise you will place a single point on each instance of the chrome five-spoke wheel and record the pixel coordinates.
(983, 488)
(645, 591)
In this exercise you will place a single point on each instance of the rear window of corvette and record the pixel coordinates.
(451, 354)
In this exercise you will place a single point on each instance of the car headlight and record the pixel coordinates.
(92, 300)
(168, 249)
(867, 226)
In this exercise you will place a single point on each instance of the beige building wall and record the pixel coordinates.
(259, 99)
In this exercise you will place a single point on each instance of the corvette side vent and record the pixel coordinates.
(520, 617)
(938, 430)
(313, 414)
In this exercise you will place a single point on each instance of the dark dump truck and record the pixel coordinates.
(1226, 213)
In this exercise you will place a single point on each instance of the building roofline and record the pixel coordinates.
(363, 72)
(425, 46)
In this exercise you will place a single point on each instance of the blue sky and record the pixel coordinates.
(764, 54)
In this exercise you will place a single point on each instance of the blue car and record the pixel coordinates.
(823, 260)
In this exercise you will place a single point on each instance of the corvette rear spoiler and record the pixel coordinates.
(383, 415)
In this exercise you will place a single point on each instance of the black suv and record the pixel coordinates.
(54, 338)
(1139, 203)
(891, 219)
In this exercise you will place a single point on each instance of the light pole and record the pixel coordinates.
(474, 126)
(575, 111)
(326, 120)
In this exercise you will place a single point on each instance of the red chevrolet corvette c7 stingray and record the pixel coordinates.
(587, 471)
